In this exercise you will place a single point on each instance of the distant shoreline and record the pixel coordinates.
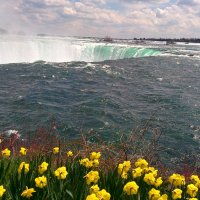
(111, 39)
(186, 40)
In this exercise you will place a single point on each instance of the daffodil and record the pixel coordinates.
(69, 153)
(192, 190)
(142, 163)
(137, 172)
(123, 169)
(120, 168)
(149, 179)
(151, 170)
(95, 163)
(104, 195)
(56, 150)
(154, 194)
(177, 180)
(86, 162)
(94, 189)
(61, 173)
(92, 177)
(5, 152)
(43, 167)
(92, 197)
(27, 193)
(176, 194)
(163, 197)
(95, 155)
(2, 190)
(131, 188)
(195, 180)
(24, 166)
(23, 151)
(41, 181)
(158, 182)
(124, 175)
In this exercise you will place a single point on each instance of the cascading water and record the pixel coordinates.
(63, 49)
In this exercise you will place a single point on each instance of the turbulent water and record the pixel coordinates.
(110, 87)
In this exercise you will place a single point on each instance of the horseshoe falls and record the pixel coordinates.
(58, 49)
(110, 88)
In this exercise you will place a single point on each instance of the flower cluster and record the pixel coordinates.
(97, 194)
(138, 180)
(123, 169)
(149, 175)
(93, 161)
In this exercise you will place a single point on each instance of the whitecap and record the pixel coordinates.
(160, 79)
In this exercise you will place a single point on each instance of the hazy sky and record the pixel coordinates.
(115, 18)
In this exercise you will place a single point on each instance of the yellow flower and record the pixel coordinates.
(142, 163)
(41, 181)
(92, 177)
(124, 175)
(149, 179)
(56, 150)
(176, 194)
(151, 170)
(24, 166)
(158, 182)
(23, 151)
(192, 190)
(69, 153)
(27, 193)
(61, 173)
(95, 155)
(193, 199)
(177, 180)
(92, 197)
(95, 163)
(195, 180)
(163, 197)
(94, 189)
(124, 167)
(154, 194)
(6, 152)
(104, 195)
(43, 167)
(137, 172)
(131, 188)
(120, 168)
(122, 172)
(2, 190)
(127, 165)
(86, 162)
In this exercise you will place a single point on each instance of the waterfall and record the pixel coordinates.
(17, 49)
